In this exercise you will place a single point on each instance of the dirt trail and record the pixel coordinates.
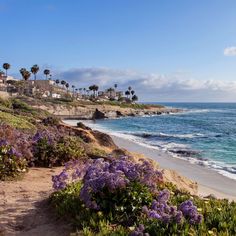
(24, 207)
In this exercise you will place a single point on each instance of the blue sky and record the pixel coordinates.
(181, 50)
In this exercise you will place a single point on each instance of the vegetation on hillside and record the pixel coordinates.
(119, 196)
(30, 137)
(99, 193)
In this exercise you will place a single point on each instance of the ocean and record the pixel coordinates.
(203, 134)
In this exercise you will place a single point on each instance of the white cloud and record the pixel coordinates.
(230, 51)
(155, 87)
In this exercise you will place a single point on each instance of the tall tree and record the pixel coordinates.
(34, 69)
(135, 98)
(94, 88)
(73, 89)
(57, 82)
(132, 92)
(67, 86)
(6, 67)
(110, 90)
(127, 93)
(46, 72)
(22, 71)
(63, 83)
(25, 74)
(129, 88)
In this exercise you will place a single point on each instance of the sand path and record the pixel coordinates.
(24, 206)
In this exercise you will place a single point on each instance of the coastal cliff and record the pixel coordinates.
(100, 111)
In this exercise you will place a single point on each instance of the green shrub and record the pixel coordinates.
(124, 205)
(51, 151)
(51, 121)
(19, 104)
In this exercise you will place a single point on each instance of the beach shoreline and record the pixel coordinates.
(209, 181)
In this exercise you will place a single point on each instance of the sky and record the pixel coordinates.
(168, 51)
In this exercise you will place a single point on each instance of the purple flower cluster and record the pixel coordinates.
(45, 134)
(6, 148)
(139, 231)
(111, 174)
(18, 140)
(161, 210)
(73, 171)
(59, 181)
(190, 212)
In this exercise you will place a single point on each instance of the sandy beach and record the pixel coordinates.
(209, 182)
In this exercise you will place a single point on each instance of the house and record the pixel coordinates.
(110, 94)
(44, 88)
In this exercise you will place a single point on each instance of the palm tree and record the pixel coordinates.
(34, 69)
(25, 74)
(73, 90)
(127, 93)
(135, 98)
(63, 82)
(22, 71)
(91, 87)
(110, 90)
(115, 86)
(57, 82)
(132, 92)
(46, 72)
(129, 88)
(94, 88)
(6, 66)
(67, 86)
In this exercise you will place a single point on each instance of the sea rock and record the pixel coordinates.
(103, 139)
(83, 126)
(98, 115)
(185, 153)
(119, 114)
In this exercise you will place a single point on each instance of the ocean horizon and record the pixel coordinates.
(203, 134)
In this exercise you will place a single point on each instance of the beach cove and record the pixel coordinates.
(217, 180)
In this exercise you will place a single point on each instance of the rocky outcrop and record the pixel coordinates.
(98, 111)
(83, 126)
(104, 139)
(98, 115)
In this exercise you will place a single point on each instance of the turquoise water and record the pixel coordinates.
(204, 134)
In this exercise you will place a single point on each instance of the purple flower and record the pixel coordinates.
(190, 212)
(139, 231)
(12, 151)
(113, 175)
(4, 143)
